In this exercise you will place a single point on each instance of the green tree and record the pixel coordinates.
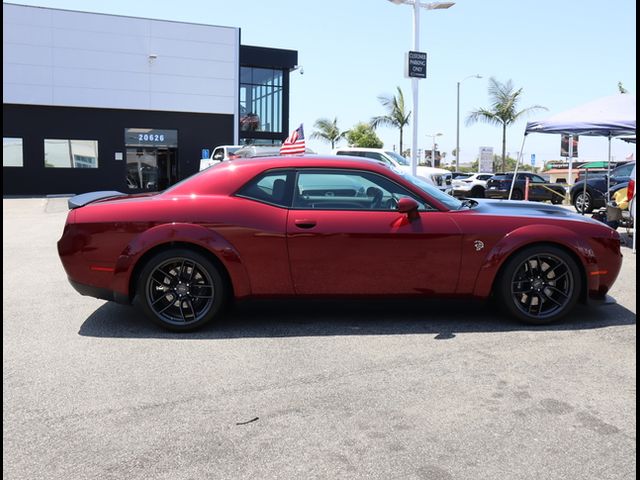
(503, 112)
(363, 135)
(328, 131)
(397, 115)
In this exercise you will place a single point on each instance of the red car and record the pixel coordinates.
(328, 226)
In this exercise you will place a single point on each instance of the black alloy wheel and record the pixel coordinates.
(540, 284)
(181, 290)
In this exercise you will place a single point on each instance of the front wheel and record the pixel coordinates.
(583, 202)
(181, 290)
(539, 284)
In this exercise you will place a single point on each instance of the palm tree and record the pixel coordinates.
(396, 116)
(328, 131)
(503, 111)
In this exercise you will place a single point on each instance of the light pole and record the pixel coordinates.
(414, 81)
(433, 151)
(458, 119)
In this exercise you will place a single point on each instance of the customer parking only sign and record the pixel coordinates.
(416, 65)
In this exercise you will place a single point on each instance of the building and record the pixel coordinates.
(107, 102)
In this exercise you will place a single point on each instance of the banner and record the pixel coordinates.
(564, 145)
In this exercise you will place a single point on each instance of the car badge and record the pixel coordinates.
(479, 245)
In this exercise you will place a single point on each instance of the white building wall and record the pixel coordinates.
(67, 58)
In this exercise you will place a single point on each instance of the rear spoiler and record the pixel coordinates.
(85, 198)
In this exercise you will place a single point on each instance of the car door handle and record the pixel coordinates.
(305, 223)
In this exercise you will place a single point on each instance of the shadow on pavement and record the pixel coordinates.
(293, 318)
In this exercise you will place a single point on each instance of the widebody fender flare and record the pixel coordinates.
(530, 235)
(184, 233)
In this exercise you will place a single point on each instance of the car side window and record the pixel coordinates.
(218, 154)
(348, 190)
(537, 179)
(484, 177)
(271, 187)
(624, 171)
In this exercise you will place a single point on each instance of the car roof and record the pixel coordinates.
(226, 177)
(361, 149)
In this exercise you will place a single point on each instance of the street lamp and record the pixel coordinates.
(458, 119)
(433, 151)
(414, 81)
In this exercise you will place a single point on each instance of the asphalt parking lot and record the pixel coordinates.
(300, 390)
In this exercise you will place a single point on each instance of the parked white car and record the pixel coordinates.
(438, 177)
(471, 185)
(219, 154)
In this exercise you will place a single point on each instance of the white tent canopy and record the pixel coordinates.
(611, 116)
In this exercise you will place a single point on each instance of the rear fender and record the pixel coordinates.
(530, 235)
(184, 233)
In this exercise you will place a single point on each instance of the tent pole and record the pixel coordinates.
(606, 197)
(515, 173)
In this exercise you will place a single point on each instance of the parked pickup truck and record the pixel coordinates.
(438, 177)
(219, 154)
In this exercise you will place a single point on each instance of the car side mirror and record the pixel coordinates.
(409, 206)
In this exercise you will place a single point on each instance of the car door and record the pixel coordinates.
(345, 236)
(539, 189)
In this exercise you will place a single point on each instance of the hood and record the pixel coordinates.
(529, 209)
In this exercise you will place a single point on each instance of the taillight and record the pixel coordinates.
(631, 189)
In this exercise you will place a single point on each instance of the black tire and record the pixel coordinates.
(583, 200)
(539, 284)
(556, 199)
(477, 192)
(181, 290)
(517, 195)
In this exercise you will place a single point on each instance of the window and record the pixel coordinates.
(12, 152)
(624, 171)
(261, 95)
(272, 188)
(537, 179)
(70, 153)
(348, 190)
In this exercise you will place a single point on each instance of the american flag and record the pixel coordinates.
(294, 144)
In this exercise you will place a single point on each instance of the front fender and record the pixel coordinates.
(529, 235)
(186, 233)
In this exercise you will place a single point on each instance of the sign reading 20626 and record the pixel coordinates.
(416, 64)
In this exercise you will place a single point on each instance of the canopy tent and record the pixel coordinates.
(612, 116)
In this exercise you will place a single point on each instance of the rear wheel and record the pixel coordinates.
(477, 192)
(181, 290)
(516, 195)
(539, 284)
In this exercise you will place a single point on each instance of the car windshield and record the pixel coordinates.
(451, 202)
(398, 158)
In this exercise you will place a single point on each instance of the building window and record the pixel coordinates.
(11, 152)
(261, 94)
(70, 153)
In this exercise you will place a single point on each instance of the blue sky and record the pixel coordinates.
(561, 53)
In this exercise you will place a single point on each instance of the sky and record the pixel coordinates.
(562, 54)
